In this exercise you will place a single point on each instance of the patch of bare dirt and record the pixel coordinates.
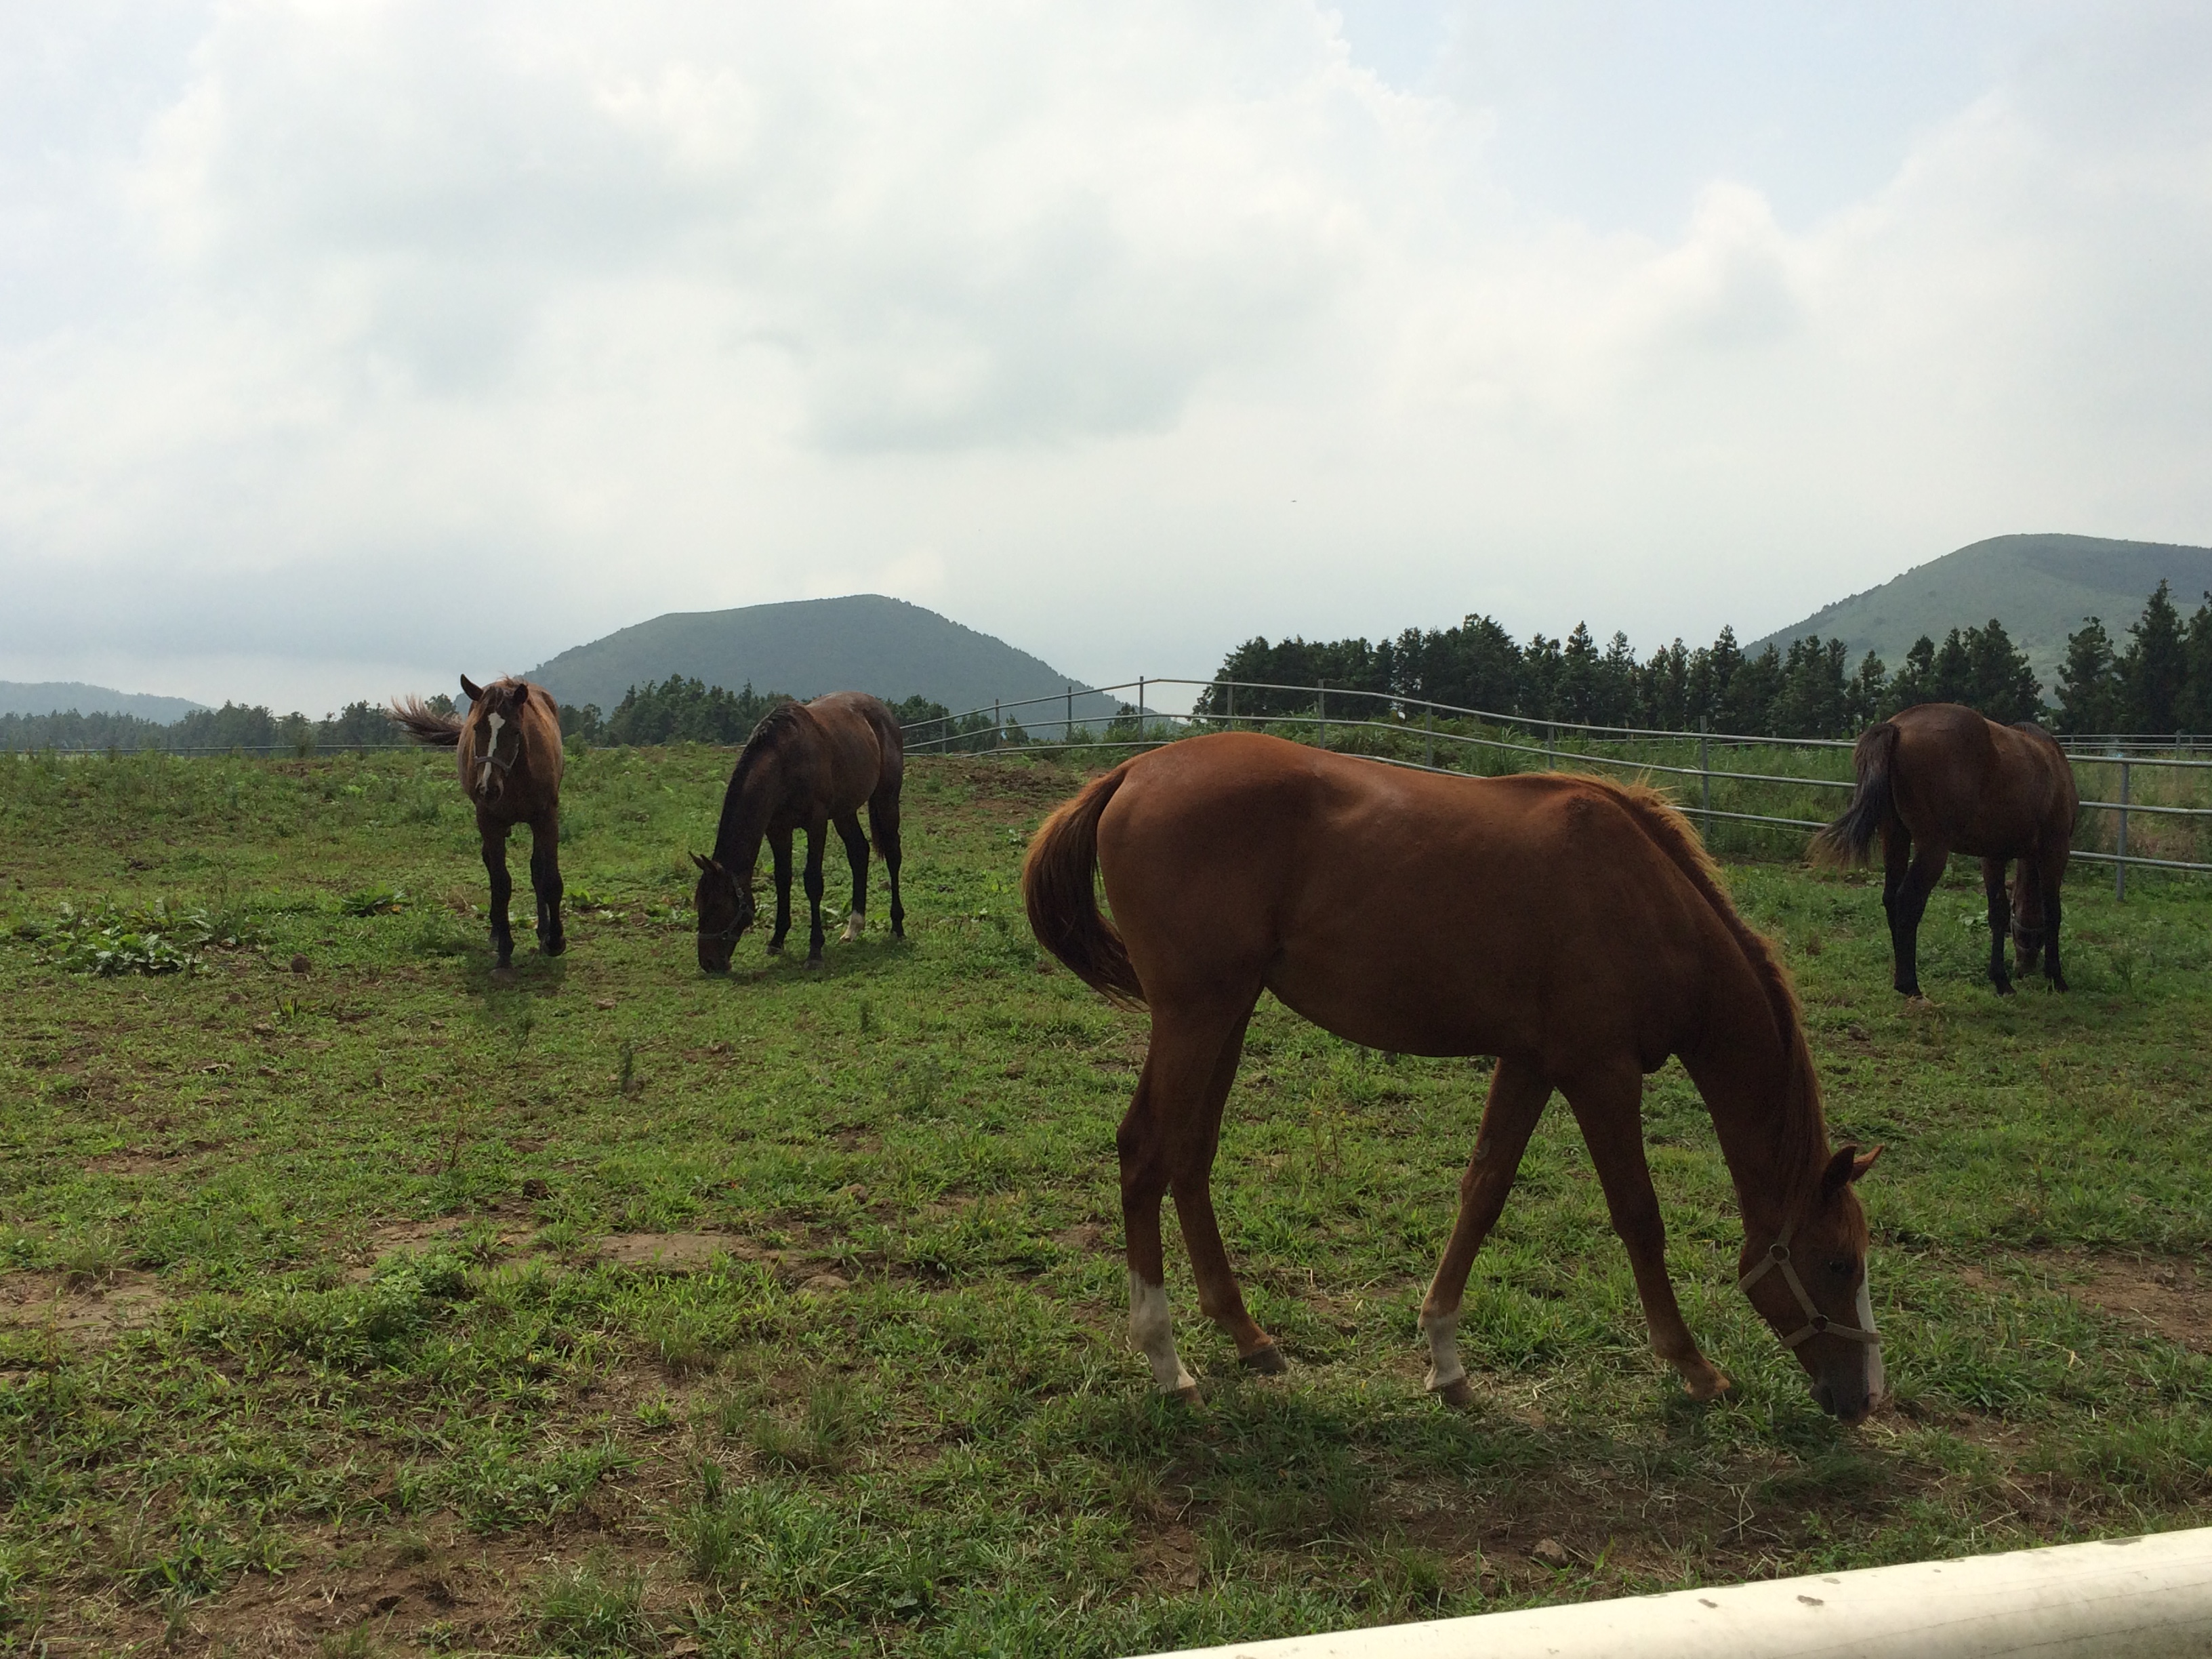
(86, 1315)
(675, 1252)
(2161, 1296)
(2171, 1298)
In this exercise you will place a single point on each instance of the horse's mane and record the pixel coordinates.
(1801, 1132)
(778, 724)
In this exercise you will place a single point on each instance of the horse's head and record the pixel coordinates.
(2028, 919)
(1810, 1286)
(724, 905)
(494, 727)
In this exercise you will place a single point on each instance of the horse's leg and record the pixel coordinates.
(545, 880)
(1609, 1107)
(1993, 887)
(884, 824)
(1191, 1176)
(1517, 1093)
(1896, 863)
(813, 879)
(856, 854)
(2052, 872)
(779, 849)
(494, 835)
(2027, 915)
(1912, 904)
(1165, 1138)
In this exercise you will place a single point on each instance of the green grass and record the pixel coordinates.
(310, 1327)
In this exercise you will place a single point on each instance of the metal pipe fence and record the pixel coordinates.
(1419, 725)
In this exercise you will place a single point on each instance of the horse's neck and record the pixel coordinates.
(1764, 1102)
(746, 812)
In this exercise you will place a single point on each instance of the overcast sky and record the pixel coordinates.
(347, 346)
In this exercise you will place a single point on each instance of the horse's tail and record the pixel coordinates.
(1846, 840)
(425, 724)
(1058, 887)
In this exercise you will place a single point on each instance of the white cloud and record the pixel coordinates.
(1124, 331)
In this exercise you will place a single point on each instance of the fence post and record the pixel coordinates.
(997, 722)
(1704, 774)
(2120, 870)
(1429, 731)
(1067, 726)
(1321, 702)
(1551, 747)
(1229, 689)
(1140, 708)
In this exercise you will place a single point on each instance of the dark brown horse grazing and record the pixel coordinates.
(1943, 777)
(806, 765)
(509, 744)
(1573, 928)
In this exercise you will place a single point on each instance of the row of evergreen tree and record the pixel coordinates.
(1811, 691)
(675, 710)
(248, 726)
(2160, 682)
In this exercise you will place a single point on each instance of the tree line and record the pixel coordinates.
(675, 710)
(2160, 681)
(234, 726)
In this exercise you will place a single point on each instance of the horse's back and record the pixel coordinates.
(1403, 910)
(863, 746)
(1985, 789)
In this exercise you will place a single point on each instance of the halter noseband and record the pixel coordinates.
(1816, 1322)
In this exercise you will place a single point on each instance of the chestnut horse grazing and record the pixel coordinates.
(1942, 776)
(1573, 928)
(806, 766)
(509, 744)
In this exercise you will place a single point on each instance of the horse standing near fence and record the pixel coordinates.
(1941, 778)
(806, 765)
(1574, 928)
(509, 748)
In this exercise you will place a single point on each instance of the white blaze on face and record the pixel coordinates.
(1444, 1367)
(1150, 1334)
(492, 723)
(1874, 1378)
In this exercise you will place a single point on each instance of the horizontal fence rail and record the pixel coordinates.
(2126, 1598)
(1453, 739)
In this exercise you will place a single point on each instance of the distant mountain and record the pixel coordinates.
(66, 696)
(862, 642)
(2040, 588)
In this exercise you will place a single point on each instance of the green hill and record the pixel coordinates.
(2040, 588)
(861, 643)
(67, 697)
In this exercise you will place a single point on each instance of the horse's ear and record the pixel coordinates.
(469, 689)
(707, 865)
(521, 693)
(1845, 1167)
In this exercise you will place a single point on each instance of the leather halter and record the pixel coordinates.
(1816, 1322)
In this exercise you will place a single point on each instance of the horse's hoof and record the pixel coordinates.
(1185, 1395)
(2004, 989)
(1264, 1361)
(814, 964)
(1712, 1386)
(2058, 984)
(1458, 1394)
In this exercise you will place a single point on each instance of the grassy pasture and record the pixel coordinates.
(380, 1308)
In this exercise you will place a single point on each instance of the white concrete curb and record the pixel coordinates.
(2125, 1598)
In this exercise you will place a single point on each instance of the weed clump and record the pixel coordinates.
(113, 941)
